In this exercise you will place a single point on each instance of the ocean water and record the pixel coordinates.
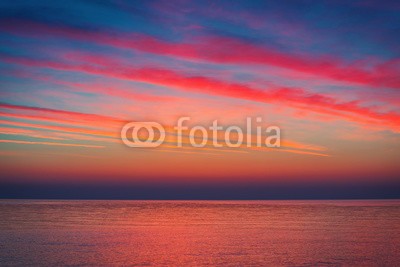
(198, 233)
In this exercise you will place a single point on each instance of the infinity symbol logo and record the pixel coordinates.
(135, 141)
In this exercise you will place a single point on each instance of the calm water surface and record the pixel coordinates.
(188, 233)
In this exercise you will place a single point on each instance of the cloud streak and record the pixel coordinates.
(20, 142)
(296, 97)
(227, 50)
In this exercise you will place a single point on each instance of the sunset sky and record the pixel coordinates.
(74, 72)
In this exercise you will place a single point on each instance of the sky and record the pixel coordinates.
(73, 73)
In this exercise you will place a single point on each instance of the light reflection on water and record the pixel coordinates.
(301, 233)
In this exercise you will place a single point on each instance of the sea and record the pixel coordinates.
(199, 233)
